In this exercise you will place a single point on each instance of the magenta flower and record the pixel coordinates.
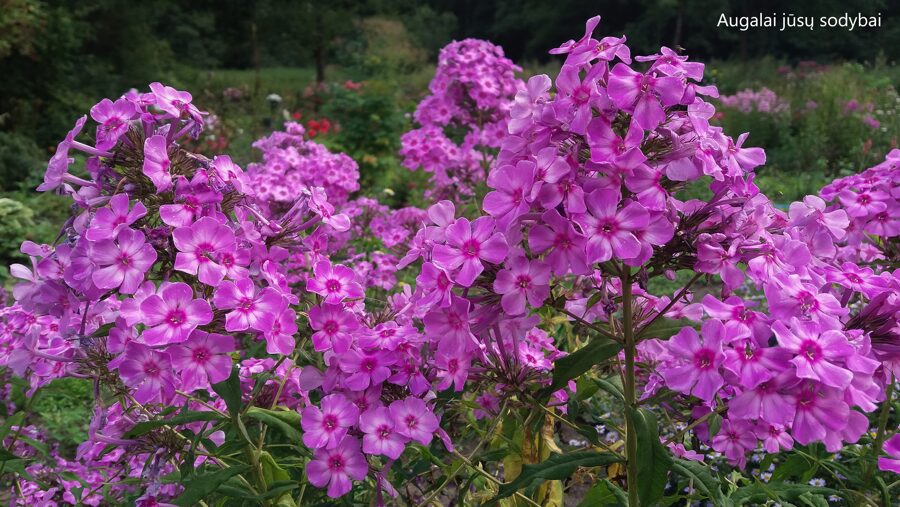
(609, 231)
(336, 467)
(645, 94)
(819, 410)
(469, 244)
(156, 162)
(122, 263)
(380, 435)
(57, 171)
(149, 371)
(326, 426)
(816, 351)
(113, 118)
(280, 336)
(107, 222)
(365, 368)
(203, 359)
(863, 204)
(191, 198)
(577, 98)
(738, 158)
(607, 147)
(774, 437)
(790, 297)
(174, 102)
(250, 309)
(199, 248)
(333, 325)
(566, 246)
(892, 449)
(769, 401)
(452, 368)
(512, 186)
(173, 314)
(697, 361)
(334, 283)
(451, 325)
(436, 284)
(522, 280)
(734, 439)
(414, 420)
(644, 182)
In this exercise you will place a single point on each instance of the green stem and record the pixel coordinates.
(630, 398)
(882, 428)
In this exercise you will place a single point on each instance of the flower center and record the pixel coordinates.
(470, 248)
(176, 317)
(704, 358)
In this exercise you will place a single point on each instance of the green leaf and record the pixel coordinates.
(230, 391)
(13, 420)
(201, 486)
(557, 467)
(792, 467)
(612, 385)
(663, 328)
(604, 493)
(702, 480)
(760, 492)
(571, 366)
(653, 458)
(813, 500)
(287, 421)
(145, 427)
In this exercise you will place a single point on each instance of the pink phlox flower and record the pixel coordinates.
(734, 439)
(644, 94)
(336, 467)
(774, 437)
(365, 368)
(512, 186)
(892, 449)
(380, 435)
(333, 325)
(108, 221)
(149, 371)
(565, 245)
(157, 162)
(695, 369)
(203, 359)
(452, 369)
(522, 280)
(609, 229)
(191, 199)
(470, 243)
(122, 263)
(172, 314)
(414, 420)
(450, 325)
(58, 167)
(114, 118)
(334, 282)
(623, 154)
(250, 308)
(200, 246)
(174, 102)
(679, 451)
(326, 426)
(816, 351)
(820, 410)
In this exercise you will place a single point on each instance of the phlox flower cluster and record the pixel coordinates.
(463, 119)
(749, 100)
(291, 161)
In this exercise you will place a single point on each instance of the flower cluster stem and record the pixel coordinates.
(630, 398)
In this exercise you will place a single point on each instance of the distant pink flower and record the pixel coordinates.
(250, 309)
(122, 263)
(113, 118)
(149, 371)
(697, 361)
(173, 314)
(334, 283)
(336, 467)
(565, 245)
(203, 359)
(108, 221)
(414, 420)
(816, 351)
(326, 426)
(333, 325)
(679, 451)
(774, 437)
(468, 244)
(609, 230)
(380, 435)
(522, 280)
(365, 368)
(200, 246)
(156, 162)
